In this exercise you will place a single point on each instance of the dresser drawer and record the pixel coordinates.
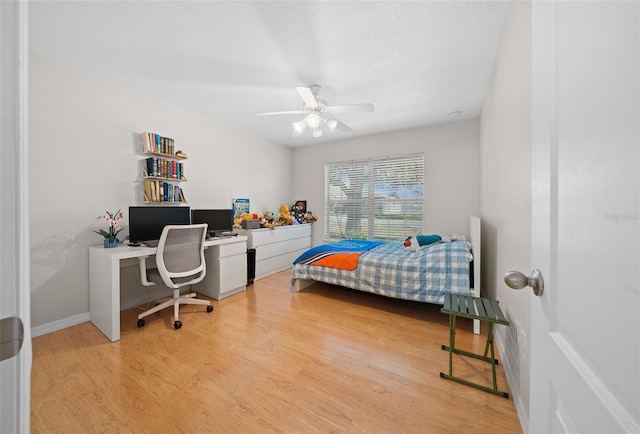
(232, 249)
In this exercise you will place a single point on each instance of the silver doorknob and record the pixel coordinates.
(518, 280)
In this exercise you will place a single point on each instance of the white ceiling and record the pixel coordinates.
(416, 61)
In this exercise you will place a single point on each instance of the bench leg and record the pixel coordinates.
(494, 362)
(489, 346)
(452, 341)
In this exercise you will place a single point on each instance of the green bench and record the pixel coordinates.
(483, 309)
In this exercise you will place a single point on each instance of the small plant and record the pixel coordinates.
(114, 228)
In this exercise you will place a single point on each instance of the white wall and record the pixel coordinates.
(84, 160)
(505, 161)
(452, 171)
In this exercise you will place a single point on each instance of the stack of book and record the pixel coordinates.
(156, 143)
(162, 191)
(161, 168)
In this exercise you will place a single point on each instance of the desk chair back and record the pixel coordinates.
(180, 255)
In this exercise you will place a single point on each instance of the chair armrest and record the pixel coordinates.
(142, 263)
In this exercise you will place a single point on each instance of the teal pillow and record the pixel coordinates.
(425, 240)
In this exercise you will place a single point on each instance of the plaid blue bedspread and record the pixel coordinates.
(392, 271)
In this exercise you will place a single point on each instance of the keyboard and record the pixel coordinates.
(151, 243)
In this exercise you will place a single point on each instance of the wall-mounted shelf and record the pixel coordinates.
(162, 170)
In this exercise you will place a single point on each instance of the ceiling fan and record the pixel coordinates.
(318, 114)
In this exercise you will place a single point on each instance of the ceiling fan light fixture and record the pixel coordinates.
(313, 120)
(316, 113)
(298, 127)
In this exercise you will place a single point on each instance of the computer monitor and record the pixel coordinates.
(218, 220)
(146, 222)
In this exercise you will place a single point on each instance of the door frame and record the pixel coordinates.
(14, 213)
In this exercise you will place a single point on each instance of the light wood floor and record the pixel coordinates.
(322, 360)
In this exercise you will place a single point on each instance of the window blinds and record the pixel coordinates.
(376, 198)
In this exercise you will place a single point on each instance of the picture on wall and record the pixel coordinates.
(302, 204)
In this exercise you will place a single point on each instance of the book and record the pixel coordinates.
(240, 206)
(151, 168)
(146, 142)
(147, 190)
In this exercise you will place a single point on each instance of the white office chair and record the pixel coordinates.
(180, 262)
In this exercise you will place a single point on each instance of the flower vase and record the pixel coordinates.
(108, 243)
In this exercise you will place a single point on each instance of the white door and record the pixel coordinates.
(15, 364)
(585, 336)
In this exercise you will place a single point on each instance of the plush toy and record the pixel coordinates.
(283, 216)
(420, 242)
(284, 210)
(268, 221)
(237, 221)
(310, 217)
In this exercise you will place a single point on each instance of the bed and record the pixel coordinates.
(388, 269)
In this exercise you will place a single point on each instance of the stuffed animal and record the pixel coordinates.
(283, 216)
(268, 221)
(237, 221)
(420, 242)
(310, 217)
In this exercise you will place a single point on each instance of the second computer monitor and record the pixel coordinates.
(218, 220)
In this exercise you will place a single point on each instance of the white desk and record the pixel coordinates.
(104, 278)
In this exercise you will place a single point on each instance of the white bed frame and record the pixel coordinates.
(474, 239)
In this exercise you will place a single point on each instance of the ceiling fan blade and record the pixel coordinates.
(307, 96)
(344, 128)
(289, 112)
(350, 108)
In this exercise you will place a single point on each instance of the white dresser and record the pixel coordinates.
(276, 249)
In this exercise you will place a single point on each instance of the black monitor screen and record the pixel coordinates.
(146, 222)
(219, 220)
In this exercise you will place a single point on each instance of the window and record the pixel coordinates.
(375, 199)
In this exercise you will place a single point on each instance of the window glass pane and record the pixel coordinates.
(375, 198)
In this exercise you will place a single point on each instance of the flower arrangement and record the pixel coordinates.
(111, 236)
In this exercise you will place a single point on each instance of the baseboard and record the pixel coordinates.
(512, 376)
(71, 321)
(60, 324)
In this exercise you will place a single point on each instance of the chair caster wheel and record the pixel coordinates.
(141, 322)
(177, 325)
(209, 309)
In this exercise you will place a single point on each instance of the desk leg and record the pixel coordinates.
(104, 293)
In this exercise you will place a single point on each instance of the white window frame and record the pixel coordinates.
(374, 198)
